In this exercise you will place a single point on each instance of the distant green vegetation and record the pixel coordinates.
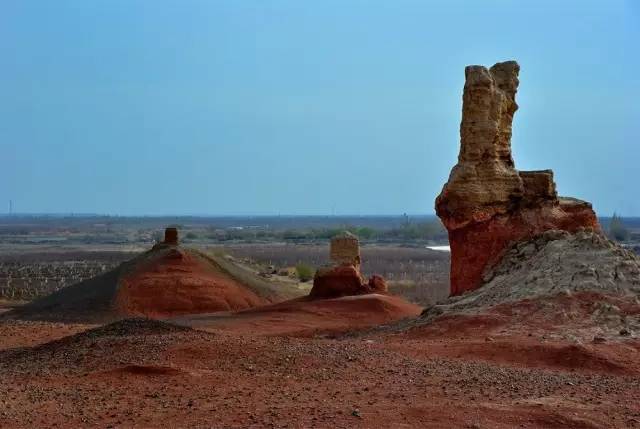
(617, 230)
(428, 231)
(305, 272)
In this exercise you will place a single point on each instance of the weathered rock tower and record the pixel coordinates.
(487, 204)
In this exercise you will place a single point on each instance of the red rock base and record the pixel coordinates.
(478, 247)
(344, 280)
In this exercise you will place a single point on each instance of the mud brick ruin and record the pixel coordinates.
(345, 250)
(343, 277)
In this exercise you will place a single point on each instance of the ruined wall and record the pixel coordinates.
(345, 250)
(487, 204)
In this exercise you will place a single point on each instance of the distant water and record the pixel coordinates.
(440, 248)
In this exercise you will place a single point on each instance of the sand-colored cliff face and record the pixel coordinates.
(487, 204)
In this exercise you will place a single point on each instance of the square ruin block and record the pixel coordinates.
(345, 250)
(538, 185)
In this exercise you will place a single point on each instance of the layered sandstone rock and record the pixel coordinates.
(487, 204)
(343, 277)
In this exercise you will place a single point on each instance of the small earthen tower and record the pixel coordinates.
(171, 236)
(345, 250)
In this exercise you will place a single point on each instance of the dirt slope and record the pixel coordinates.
(304, 317)
(558, 262)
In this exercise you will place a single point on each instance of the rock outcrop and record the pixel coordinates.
(487, 204)
(343, 277)
(590, 262)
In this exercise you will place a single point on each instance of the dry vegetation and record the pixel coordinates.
(27, 276)
(419, 274)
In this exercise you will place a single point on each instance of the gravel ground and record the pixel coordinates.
(145, 374)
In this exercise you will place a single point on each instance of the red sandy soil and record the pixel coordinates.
(179, 282)
(490, 370)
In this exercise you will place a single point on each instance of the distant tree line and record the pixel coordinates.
(428, 231)
(617, 229)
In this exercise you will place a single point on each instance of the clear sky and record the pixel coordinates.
(303, 107)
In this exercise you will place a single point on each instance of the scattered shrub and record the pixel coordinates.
(617, 230)
(305, 272)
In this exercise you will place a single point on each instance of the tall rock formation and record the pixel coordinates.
(487, 204)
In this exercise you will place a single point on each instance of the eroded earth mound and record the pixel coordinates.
(308, 317)
(173, 281)
(166, 281)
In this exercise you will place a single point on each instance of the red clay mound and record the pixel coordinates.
(165, 281)
(307, 317)
(176, 281)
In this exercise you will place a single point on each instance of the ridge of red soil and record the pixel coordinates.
(307, 316)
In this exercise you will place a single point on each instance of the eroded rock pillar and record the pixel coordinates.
(487, 204)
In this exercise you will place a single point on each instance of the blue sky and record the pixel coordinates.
(303, 107)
